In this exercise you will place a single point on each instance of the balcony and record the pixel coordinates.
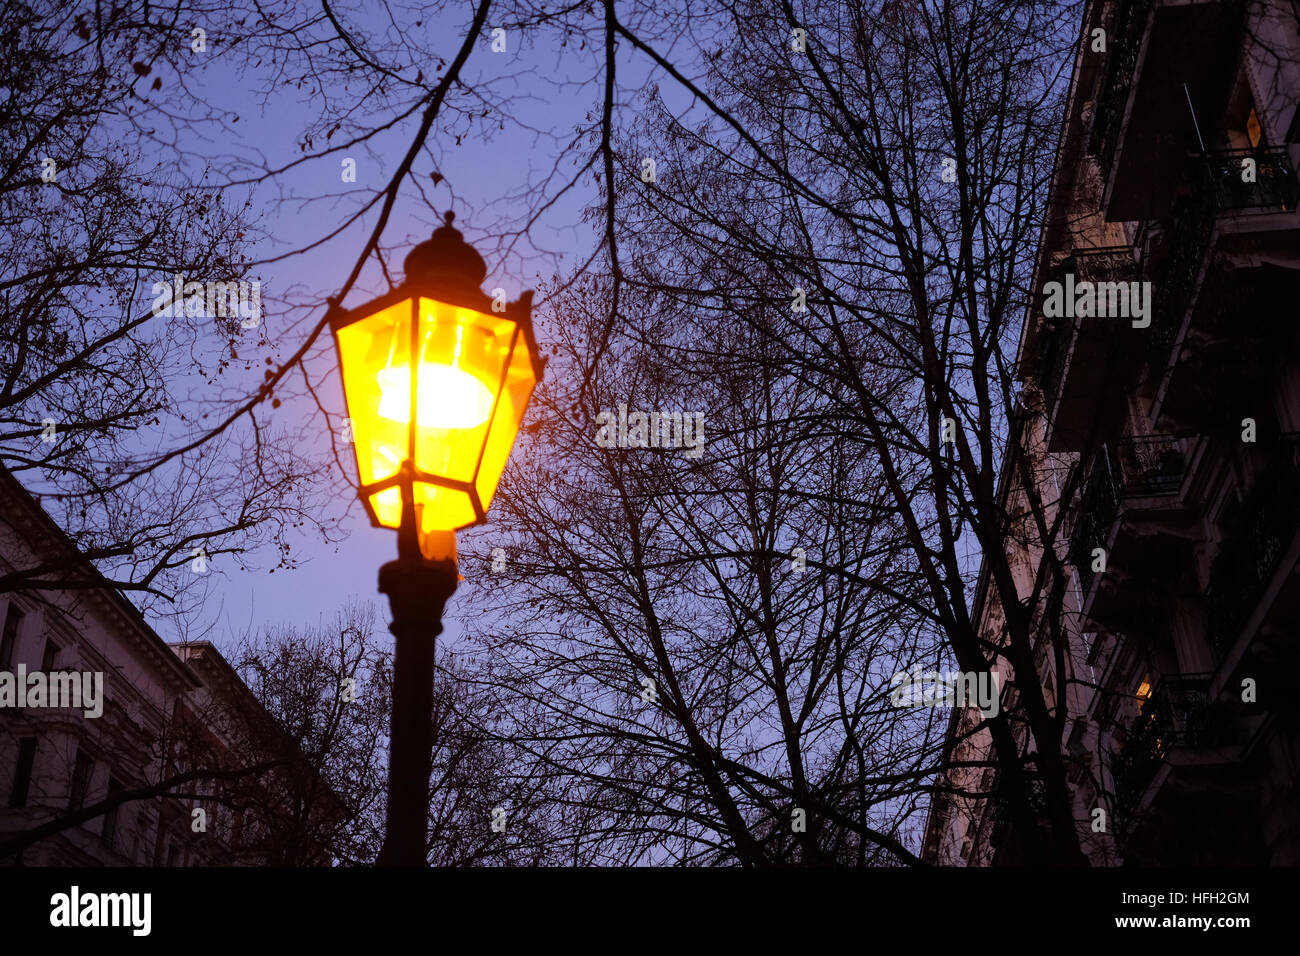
(1231, 350)
(1179, 719)
(1134, 502)
(1250, 559)
(1128, 30)
(1083, 357)
(1217, 192)
(1141, 120)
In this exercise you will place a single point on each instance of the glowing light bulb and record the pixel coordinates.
(447, 397)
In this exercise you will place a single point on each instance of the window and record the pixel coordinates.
(1144, 689)
(1254, 132)
(1241, 127)
(23, 772)
(80, 780)
(50, 656)
(9, 638)
(109, 832)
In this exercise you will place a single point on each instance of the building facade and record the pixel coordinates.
(1161, 366)
(159, 711)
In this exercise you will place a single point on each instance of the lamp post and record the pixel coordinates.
(436, 376)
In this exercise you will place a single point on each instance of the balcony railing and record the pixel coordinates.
(1136, 467)
(1102, 264)
(1150, 465)
(1274, 182)
(1179, 713)
(1248, 559)
(1053, 347)
(1192, 228)
(1097, 509)
(1131, 17)
(1217, 188)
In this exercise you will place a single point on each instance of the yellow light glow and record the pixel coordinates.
(475, 372)
(447, 397)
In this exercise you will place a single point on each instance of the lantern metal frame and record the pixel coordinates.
(443, 269)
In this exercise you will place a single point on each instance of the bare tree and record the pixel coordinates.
(828, 251)
(877, 182)
(122, 315)
(715, 609)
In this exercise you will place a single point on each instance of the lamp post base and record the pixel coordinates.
(417, 591)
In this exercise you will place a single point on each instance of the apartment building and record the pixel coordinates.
(1161, 367)
(281, 815)
(161, 710)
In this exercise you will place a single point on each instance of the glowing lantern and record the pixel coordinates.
(436, 382)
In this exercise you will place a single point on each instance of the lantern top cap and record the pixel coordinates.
(446, 259)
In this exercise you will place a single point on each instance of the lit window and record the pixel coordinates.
(1144, 689)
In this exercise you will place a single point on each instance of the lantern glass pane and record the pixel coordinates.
(369, 349)
(519, 382)
(461, 355)
(443, 509)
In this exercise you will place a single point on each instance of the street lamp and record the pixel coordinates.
(437, 377)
